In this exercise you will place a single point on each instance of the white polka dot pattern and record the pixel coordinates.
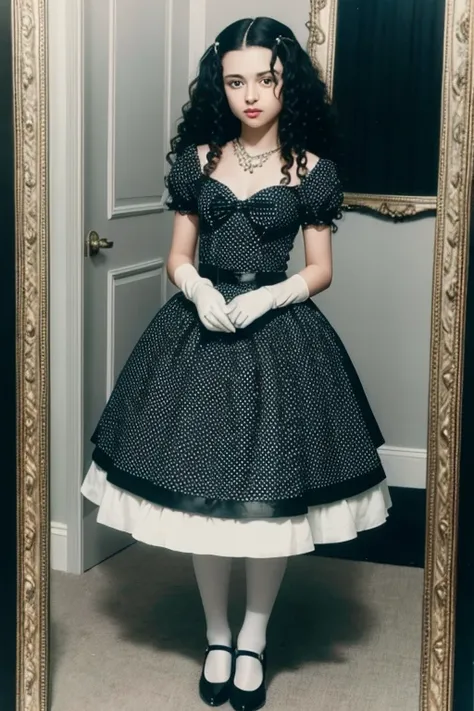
(258, 424)
(266, 224)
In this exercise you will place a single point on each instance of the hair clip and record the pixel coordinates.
(280, 39)
(216, 47)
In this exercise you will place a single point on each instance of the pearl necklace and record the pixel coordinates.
(246, 161)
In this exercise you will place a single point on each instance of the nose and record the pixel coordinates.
(252, 94)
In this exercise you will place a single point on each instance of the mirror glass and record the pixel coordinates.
(264, 454)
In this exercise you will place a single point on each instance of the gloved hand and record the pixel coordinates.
(210, 303)
(245, 308)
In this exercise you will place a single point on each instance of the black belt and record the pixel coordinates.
(229, 276)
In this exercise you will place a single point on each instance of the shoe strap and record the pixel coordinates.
(219, 648)
(247, 653)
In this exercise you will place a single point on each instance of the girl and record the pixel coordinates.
(238, 426)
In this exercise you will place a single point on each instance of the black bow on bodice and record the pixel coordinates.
(260, 213)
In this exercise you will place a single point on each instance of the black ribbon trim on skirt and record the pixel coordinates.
(204, 506)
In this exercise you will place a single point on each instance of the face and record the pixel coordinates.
(253, 96)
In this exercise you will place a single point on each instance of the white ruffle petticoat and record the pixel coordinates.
(255, 538)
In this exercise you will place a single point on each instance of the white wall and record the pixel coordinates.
(380, 304)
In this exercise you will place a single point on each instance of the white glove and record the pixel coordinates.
(291, 291)
(245, 308)
(209, 302)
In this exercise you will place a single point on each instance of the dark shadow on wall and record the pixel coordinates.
(400, 541)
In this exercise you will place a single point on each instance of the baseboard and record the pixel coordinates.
(58, 553)
(404, 467)
(102, 546)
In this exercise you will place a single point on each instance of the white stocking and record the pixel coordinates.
(264, 577)
(212, 576)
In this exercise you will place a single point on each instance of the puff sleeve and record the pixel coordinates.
(321, 196)
(182, 182)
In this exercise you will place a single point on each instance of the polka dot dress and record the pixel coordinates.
(261, 425)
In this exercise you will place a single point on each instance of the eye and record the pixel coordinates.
(234, 82)
(268, 81)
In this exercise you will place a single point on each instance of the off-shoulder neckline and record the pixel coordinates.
(261, 190)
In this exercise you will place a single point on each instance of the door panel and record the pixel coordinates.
(135, 80)
(132, 295)
(137, 106)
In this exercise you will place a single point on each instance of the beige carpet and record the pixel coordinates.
(128, 635)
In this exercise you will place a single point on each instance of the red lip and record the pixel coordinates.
(253, 112)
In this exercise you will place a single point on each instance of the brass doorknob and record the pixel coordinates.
(94, 244)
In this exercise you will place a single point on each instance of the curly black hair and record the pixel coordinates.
(307, 121)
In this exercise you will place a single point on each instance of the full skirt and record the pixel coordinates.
(257, 444)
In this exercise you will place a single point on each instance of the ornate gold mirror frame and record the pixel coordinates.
(322, 48)
(448, 314)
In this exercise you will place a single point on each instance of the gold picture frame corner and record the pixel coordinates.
(394, 207)
(321, 46)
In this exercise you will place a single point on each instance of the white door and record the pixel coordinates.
(136, 70)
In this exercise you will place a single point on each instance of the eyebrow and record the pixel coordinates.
(260, 74)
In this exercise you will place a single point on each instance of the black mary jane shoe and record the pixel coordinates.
(216, 694)
(241, 700)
